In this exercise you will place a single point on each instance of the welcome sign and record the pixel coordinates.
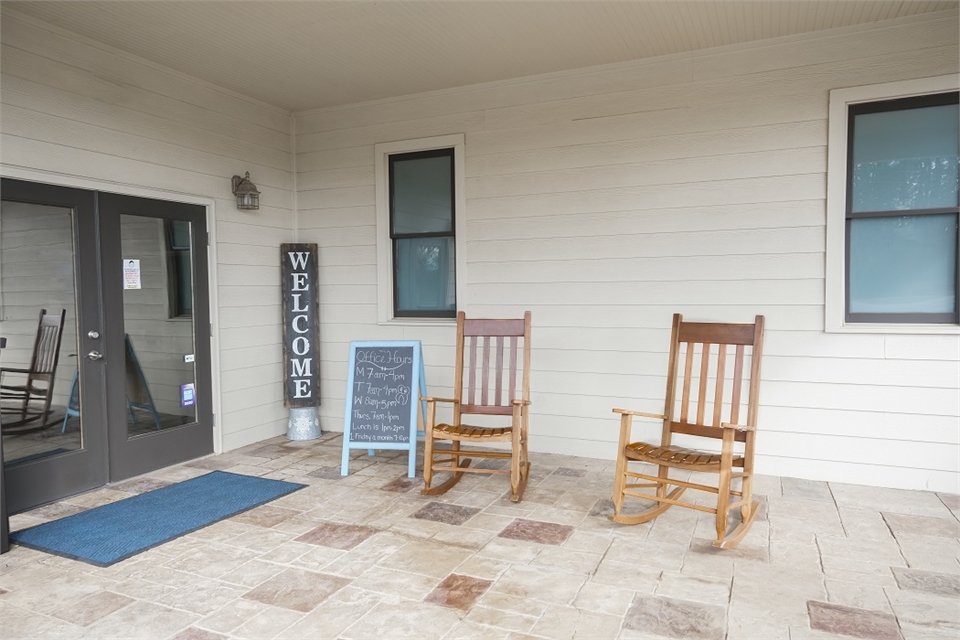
(301, 331)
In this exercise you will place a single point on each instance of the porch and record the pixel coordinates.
(825, 560)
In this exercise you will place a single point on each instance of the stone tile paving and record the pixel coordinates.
(368, 556)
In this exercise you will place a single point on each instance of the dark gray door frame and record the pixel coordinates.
(134, 456)
(47, 479)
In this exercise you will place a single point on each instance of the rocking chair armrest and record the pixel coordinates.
(738, 427)
(13, 370)
(525, 403)
(642, 414)
(432, 399)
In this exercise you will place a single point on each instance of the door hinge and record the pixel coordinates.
(207, 233)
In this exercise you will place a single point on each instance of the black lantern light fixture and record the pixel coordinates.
(248, 198)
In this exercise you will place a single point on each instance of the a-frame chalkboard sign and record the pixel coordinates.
(384, 384)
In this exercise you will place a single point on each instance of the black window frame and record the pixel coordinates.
(880, 106)
(395, 237)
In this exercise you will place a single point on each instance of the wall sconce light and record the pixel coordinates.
(248, 198)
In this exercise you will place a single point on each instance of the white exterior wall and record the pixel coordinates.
(604, 200)
(79, 113)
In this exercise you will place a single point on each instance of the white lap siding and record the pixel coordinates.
(606, 199)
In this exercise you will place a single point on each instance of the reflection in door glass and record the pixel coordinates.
(158, 323)
(39, 381)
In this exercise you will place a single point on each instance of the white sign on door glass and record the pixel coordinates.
(131, 274)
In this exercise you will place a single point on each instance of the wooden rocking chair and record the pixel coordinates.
(32, 400)
(692, 341)
(496, 374)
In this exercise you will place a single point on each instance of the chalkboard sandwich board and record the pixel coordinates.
(384, 382)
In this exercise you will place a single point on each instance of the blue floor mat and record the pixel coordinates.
(105, 535)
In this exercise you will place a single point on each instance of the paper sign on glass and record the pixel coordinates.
(131, 274)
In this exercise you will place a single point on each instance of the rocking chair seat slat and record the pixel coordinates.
(672, 454)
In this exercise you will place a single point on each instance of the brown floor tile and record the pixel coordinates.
(337, 536)
(297, 589)
(941, 584)
(459, 592)
(403, 484)
(327, 473)
(446, 513)
(848, 621)
(536, 531)
(674, 618)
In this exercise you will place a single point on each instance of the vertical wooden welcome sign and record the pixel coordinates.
(301, 331)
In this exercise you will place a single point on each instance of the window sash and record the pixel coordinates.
(854, 110)
(395, 237)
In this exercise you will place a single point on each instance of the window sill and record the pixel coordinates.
(900, 329)
(420, 322)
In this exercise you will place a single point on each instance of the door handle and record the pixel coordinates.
(95, 355)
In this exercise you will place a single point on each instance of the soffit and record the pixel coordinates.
(307, 55)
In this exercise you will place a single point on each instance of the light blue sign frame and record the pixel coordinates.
(418, 386)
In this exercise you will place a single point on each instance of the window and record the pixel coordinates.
(419, 225)
(422, 230)
(899, 227)
(179, 268)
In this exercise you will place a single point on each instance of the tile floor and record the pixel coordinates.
(368, 556)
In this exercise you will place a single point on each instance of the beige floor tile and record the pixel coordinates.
(573, 623)
(93, 607)
(426, 558)
(268, 623)
(500, 619)
(859, 595)
(398, 583)
(403, 620)
(540, 583)
(336, 613)
(145, 620)
(231, 615)
(696, 588)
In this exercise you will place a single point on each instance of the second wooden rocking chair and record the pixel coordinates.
(717, 415)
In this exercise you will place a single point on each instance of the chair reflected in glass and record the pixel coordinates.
(492, 382)
(29, 403)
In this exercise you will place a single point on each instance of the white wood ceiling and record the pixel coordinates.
(312, 54)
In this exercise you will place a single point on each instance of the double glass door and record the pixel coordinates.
(104, 305)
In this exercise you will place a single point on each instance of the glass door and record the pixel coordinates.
(158, 369)
(52, 411)
(104, 304)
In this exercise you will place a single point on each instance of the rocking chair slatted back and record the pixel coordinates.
(699, 345)
(46, 349)
(493, 350)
